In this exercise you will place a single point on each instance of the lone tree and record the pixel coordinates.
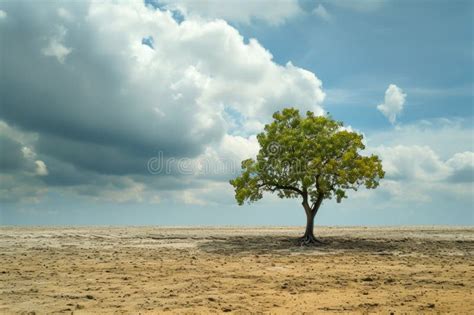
(310, 157)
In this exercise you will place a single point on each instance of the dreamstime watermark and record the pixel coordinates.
(273, 148)
(218, 166)
(207, 166)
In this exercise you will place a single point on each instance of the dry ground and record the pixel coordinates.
(241, 270)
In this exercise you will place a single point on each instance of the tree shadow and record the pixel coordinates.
(271, 244)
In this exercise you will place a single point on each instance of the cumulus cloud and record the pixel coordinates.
(417, 173)
(110, 102)
(19, 170)
(3, 14)
(438, 134)
(412, 163)
(41, 168)
(393, 103)
(17, 151)
(423, 163)
(462, 165)
(88, 124)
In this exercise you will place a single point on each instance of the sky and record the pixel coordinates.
(139, 113)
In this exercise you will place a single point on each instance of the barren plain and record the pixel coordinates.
(149, 270)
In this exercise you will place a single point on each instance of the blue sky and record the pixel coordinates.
(423, 46)
(93, 91)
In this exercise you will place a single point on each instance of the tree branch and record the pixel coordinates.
(290, 188)
(317, 204)
(283, 187)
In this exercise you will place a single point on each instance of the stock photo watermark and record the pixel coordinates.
(212, 166)
(215, 166)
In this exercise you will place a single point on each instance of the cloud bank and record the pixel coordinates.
(92, 90)
(101, 101)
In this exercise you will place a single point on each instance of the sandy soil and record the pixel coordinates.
(240, 270)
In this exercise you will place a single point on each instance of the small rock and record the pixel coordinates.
(211, 299)
(431, 305)
(367, 279)
(226, 310)
(89, 297)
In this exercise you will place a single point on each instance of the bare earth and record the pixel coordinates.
(241, 270)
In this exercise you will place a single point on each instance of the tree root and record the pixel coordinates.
(309, 240)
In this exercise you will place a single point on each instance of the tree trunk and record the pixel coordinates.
(308, 237)
(309, 224)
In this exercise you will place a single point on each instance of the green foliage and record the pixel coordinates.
(311, 157)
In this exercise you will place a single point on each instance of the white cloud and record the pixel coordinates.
(41, 168)
(412, 163)
(462, 160)
(21, 188)
(321, 11)
(220, 161)
(122, 101)
(18, 166)
(417, 173)
(3, 15)
(65, 14)
(242, 11)
(190, 197)
(438, 134)
(202, 92)
(132, 191)
(28, 153)
(55, 47)
(423, 163)
(239, 147)
(203, 81)
(393, 103)
(207, 194)
(20, 136)
(462, 165)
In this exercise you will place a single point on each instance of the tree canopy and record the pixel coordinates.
(312, 157)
